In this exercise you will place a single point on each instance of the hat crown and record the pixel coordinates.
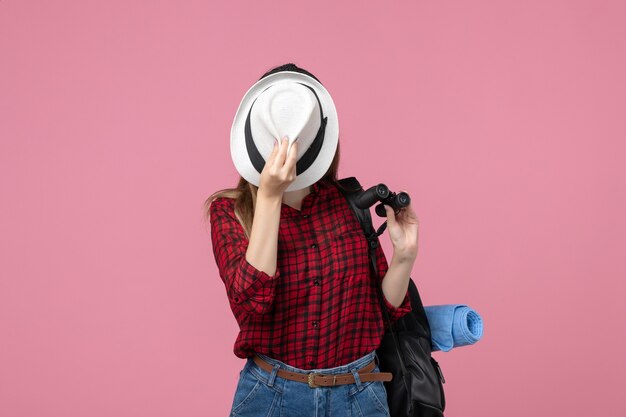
(285, 103)
(285, 109)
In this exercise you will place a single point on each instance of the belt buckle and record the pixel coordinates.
(311, 376)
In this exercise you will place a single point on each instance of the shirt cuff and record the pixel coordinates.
(396, 312)
(259, 287)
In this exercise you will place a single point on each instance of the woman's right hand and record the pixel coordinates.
(279, 170)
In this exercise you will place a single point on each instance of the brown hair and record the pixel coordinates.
(244, 193)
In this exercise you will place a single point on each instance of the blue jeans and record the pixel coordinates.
(263, 394)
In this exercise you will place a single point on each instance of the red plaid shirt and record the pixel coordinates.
(320, 309)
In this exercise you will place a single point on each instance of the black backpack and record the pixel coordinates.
(416, 389)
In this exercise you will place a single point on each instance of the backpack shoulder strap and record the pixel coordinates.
(351, 188)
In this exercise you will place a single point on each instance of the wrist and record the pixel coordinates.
(267, 197)
(403, 257)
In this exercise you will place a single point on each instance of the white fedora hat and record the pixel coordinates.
(285, 103)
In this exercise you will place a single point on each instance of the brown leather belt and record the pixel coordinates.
(316, 379)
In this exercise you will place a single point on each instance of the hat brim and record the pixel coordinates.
(318, 168)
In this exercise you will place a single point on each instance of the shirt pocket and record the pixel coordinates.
(349, 250)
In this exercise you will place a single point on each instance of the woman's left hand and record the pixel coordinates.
(403, 232)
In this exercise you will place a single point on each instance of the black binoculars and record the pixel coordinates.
(381, 193)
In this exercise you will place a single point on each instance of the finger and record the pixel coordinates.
(282, 152)
(410, 212)
(391, 216)
(290, 164)
(272, 156)
(407, 215)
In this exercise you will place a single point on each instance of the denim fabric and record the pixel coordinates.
(263, 394)
(453, 325)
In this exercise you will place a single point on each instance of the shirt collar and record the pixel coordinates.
(320, 186)
(315, 188)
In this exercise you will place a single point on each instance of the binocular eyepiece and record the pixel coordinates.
(381, 193)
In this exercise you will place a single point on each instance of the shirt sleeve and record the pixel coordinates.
(394, 312)
(249, 289)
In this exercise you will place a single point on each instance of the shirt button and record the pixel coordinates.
(314, 245)
(316, 324)
(305, 216)
(311, 363)
(316, 282)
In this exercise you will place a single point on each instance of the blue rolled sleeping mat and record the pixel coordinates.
(453, 325)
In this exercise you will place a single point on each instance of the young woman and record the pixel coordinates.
(296, 270)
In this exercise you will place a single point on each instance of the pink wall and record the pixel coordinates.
(503, 119)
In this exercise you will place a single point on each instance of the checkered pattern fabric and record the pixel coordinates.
(320, 309)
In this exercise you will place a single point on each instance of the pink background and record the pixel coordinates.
(504, 120)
